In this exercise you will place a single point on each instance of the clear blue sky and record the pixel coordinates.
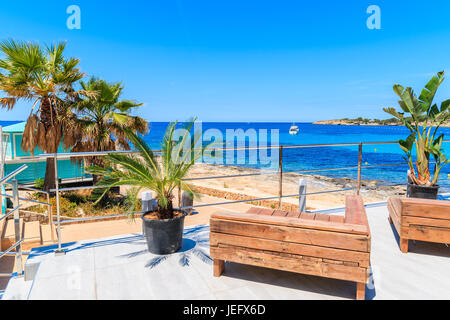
(246, 60)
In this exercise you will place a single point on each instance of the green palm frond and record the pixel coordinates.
(146, 171)
(104, 118)
(423, 118)
(126, 105)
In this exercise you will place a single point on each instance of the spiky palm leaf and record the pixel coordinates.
(101, 120)
(145, 171)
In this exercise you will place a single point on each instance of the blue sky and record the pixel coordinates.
(246, 60)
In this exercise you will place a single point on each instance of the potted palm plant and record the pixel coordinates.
(423, 118)
(163, 227)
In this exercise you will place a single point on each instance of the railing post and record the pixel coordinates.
(358, 187)
(147, 201)
(50, 217)
(302, 195)
(187, 200)
(17, 231)
(280, 178)
(146, 205)
(58, 251)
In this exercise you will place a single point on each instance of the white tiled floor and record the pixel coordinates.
(117, 268)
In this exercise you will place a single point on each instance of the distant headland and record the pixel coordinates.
(361, 122)
(367, 122)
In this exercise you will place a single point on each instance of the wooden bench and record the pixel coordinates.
(420, 219)
(316, 244)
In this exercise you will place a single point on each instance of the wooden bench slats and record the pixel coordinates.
(425, 233)
(338, 219)
(289, 262)
(353, 211)
(333, 254)
(420, 219)
(266, 212)
(271, 212)
(303, 215)
(426, 210)
(254, 210)
(298, 235)
(322, 217)
(395, 216)
(261, 211)
(396, 205)
(307, 216)
(293, 214)
(316, 244)
(430, 222)
(292, 222)
(332, 261)
(279, 213)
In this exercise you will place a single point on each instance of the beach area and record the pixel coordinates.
(257, 183)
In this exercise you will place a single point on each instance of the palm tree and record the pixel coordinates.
(44, 77)
(101, 120)
(144, 171)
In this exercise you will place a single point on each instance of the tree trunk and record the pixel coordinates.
(49, 180)
(95, 179)
(96, 161)
(166, 213)
(50, 140)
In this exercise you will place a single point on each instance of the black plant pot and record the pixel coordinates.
(423, 192)
(164, 236)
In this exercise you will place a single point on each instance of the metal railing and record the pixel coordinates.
(47, 204)
(359, 167)
(18, 236)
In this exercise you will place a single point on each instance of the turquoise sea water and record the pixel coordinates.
(320, 157)
(327, 157)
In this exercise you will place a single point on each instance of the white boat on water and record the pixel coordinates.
(293, 130)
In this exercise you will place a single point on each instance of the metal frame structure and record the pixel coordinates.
(15, 211)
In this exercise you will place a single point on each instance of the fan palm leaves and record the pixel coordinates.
(46, 78)
(102, 120)
(144, 170)
(423, 118)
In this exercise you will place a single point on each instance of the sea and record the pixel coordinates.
(295, 159)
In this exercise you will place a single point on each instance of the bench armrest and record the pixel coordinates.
(355, 213)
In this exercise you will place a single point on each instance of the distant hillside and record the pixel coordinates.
(362, 121)
(367, 122)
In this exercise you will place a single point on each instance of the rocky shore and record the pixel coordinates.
(261, 184)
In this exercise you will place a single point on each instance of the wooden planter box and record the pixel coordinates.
(420, 219)
(316, 244)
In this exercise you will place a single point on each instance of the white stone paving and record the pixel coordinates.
(118, 268)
